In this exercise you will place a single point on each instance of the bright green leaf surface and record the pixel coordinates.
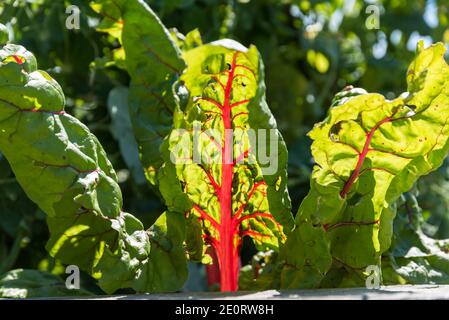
(154, 64)
(232, 198)
(251, 202)
(63, 168)
(368, 151)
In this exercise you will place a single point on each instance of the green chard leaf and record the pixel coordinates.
(162, 269)
(415, 257)
(368, 151)
(154, 64)
(63, 168)
(221, 89)
(261, 273)
(212, 171)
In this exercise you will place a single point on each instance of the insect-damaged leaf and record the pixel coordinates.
(63, 168)
(368, 151)
(214, 169)
(233, 199)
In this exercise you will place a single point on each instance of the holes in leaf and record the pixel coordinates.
(335, 131)
(212, 84)
(214, 64)
(412, 110)
(183, 185)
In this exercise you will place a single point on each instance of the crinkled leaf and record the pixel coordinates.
(162, 269)
(368, 151)
(112, 22)
(238, 196)
(154, 64)
(252, 202)
(63, 168)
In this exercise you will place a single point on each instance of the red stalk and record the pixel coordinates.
(227, 255)
(18, 59)
(213, 270)
(362, 156)
(226, 249)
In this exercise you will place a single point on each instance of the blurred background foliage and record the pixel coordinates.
(311, 49)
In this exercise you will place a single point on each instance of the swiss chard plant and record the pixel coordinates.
(370, 150)
(206, 170)
(211, 150)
